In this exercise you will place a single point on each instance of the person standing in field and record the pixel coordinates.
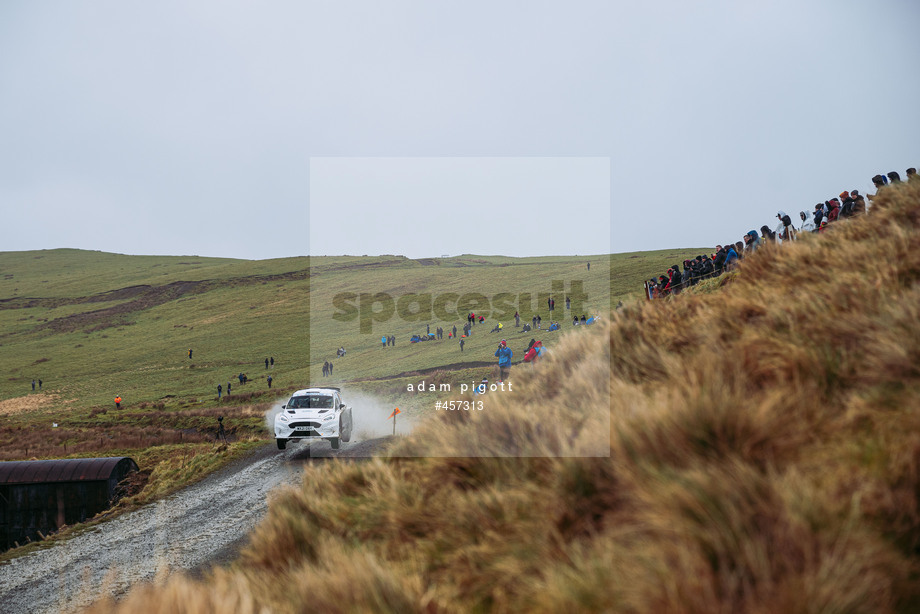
(118, 402)
(271, 361)
(504, 355)
(228, 389)
(266, 363)
(33, 385)
(220, 391)
(39, 384)
(269, 380)
(462, 341)
(190, 353)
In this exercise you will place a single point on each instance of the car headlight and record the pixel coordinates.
(282, 417)
(328, 418)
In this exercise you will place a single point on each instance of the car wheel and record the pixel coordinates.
(282, 443)
(346, 434)
(334, 442)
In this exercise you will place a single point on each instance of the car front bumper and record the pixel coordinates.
(306, 429)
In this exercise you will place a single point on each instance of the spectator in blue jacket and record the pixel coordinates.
(504, 355)
(752, 241)
(731, 257)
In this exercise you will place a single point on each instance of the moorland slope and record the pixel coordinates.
(750, 449)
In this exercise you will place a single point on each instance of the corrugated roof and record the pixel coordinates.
(65, 470)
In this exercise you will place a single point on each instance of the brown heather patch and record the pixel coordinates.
(762, 455)
(105, 430)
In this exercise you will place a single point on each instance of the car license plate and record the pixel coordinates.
(302, 428)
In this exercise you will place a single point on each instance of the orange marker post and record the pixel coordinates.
(393, 415)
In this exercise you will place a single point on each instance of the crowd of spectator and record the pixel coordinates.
(845, 205)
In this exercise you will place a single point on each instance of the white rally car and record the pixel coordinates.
(314, 413)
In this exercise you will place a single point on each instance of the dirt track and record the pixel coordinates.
(202, 525)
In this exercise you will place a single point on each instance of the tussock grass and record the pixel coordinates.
(753, 447)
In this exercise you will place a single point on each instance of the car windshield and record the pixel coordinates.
(312, 401)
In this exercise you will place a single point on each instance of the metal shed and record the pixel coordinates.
(45, 495)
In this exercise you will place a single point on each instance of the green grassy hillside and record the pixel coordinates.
(94, 325)
(762, 455)
(98, 338)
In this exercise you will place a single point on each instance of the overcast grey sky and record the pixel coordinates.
(189, 128)
(423, 207)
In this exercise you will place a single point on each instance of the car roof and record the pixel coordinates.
(307, 391)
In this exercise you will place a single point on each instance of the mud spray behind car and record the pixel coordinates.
(314, 413)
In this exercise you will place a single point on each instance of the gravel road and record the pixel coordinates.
(193, 529)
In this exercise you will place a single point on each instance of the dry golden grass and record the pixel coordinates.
(750, 449)
(28, 403)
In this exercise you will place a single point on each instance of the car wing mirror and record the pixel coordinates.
(284, 407)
